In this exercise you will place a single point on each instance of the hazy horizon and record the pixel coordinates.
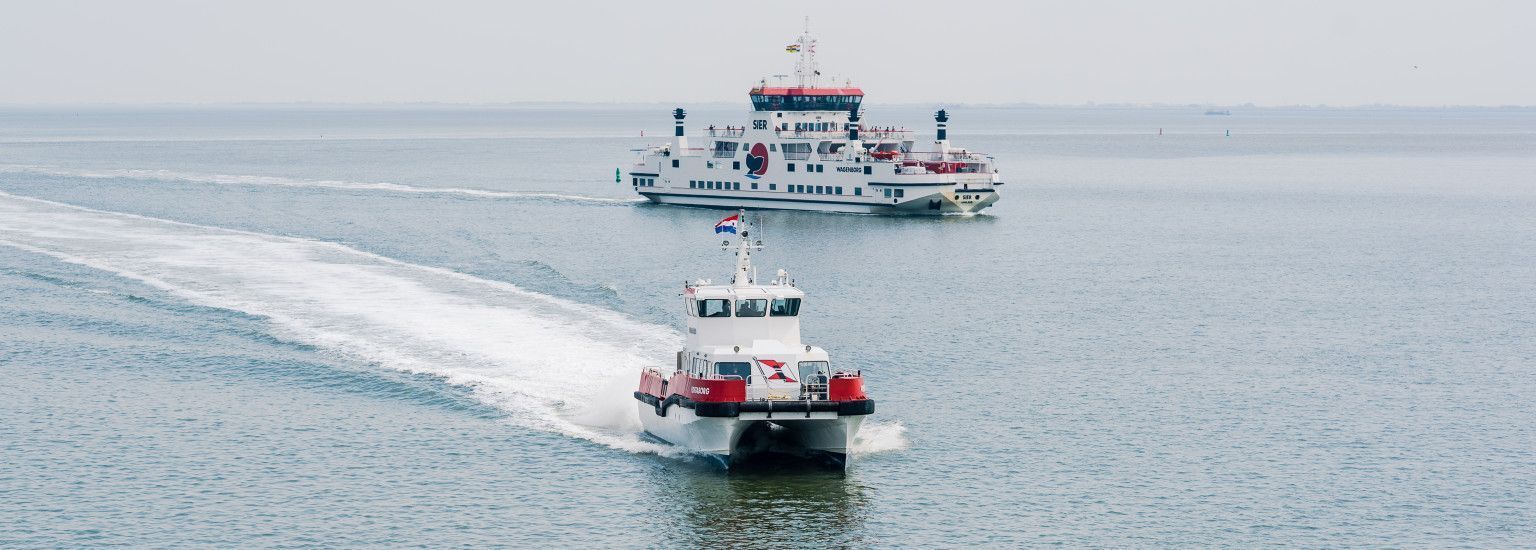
(1308, 54)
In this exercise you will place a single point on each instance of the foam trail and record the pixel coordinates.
(552, 364)
(222, 179)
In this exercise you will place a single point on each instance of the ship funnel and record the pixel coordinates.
(942, 118)
(679, 114)
(853, 125)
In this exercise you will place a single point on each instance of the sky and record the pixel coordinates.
(1339, 52)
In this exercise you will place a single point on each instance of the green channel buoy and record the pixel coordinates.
(616, 173)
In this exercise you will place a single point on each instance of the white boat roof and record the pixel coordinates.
(754, 291)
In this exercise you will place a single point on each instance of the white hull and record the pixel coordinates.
(821, 432)
(935, 203)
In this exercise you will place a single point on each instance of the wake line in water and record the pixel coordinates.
(222, 179)
(553, 364)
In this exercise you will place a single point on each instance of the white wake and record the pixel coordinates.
(551, 363)
(225, 179)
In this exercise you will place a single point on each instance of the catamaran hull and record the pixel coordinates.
(824, 433)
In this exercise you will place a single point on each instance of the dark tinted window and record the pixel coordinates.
(739, 370)
(717, 308)
(843, 103)
(783, 307)
(751, 308)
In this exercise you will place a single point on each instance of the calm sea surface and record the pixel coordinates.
(254, 326)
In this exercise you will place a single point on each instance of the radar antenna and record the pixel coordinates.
(806, 70)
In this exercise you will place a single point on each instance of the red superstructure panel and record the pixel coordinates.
(844, 387)
(709, 390)
(807, 91)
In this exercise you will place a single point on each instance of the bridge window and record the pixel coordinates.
(738, 370)
(751, 308)
(716, 308)
(783, 307)
(766, 102)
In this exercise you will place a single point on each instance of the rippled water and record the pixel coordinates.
(415, 325)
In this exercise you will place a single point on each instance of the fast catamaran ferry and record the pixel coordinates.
(806, 147)
(744, 370)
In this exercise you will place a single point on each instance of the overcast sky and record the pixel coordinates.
(1334, 52)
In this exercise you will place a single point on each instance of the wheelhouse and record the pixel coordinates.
(806, 99)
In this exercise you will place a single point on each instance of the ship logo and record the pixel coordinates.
(777, 366)
(757, 161)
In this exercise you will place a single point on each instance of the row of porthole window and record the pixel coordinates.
(823, 190)
(793, 188)
(717, 185)
(644, 182)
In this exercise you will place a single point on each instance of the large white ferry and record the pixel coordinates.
(744, 369)
(806, 148)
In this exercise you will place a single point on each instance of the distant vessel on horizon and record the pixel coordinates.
(807, 149)
(1222, 112)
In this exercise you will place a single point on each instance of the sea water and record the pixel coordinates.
(307, 325)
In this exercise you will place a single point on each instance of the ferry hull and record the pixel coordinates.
(929, 205)
(821, 433)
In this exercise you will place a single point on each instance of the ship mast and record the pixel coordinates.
(806, 71)
(744, 247)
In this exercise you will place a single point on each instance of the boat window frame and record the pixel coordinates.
(725, 312)
(794, 311)
(745, 367)
(762, 312)
(825, 373)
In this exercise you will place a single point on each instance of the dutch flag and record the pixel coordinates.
(727, 225)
